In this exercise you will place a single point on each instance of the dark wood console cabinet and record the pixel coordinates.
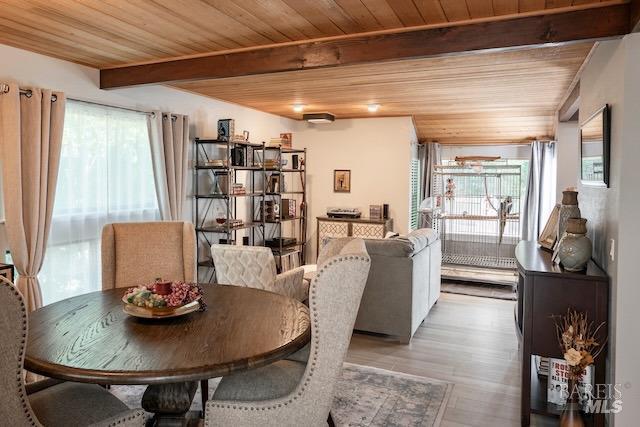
(545, 289)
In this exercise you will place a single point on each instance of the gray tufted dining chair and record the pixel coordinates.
(48, 402)
(292, 393)
(255, 267)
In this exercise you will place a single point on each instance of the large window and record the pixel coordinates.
(105, 176)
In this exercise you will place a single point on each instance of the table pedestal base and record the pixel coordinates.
(169, 402)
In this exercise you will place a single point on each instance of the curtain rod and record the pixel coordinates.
(4, 88)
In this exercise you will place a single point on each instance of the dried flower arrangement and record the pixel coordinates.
(578, 340)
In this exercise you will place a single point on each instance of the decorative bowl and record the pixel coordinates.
(162, 299)
(160, 312)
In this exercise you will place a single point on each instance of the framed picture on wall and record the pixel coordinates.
(341, 181)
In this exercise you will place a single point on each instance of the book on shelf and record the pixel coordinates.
(238, 189)
(231, 223)
(558, 383)
(542, 365)
(288, 261)
(268, 164)
(218, 163)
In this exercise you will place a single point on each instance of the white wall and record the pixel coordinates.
(612, 76)
(377, 151)
(568, 156)
(82, 82)
(627, 290)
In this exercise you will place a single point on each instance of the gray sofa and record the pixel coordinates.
(403, 284)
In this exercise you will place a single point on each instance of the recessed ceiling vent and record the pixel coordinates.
(319, 117)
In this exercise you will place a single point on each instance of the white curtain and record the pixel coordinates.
(169, 136)
(105, 176)
(541, 189)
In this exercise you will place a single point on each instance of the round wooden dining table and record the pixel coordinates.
(90, 339)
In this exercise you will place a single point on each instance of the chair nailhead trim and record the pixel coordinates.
(21, 351)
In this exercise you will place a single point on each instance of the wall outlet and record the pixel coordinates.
(612, 249)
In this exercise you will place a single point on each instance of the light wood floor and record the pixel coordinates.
(468, 341)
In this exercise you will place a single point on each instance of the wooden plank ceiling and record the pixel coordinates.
(106, 33)
(499, 97)
(473, 98)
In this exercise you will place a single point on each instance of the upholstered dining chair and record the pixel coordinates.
(255, 267)
(330, 247)
(291, 393)
(134, 253)
(48, 402)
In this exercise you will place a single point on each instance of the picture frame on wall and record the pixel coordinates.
(342, 181)
(226, 129)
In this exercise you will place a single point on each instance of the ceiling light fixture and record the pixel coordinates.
(298, 108)
(319, 117)
(373, 107)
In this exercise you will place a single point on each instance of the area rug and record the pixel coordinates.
(365, 396)
(480, 290)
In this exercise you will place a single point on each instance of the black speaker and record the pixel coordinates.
(237, 156)
(294, 161)
(385, 211)
(245, 240)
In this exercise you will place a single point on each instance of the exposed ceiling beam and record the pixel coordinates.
(572, 95)
(571, 105)
(609, 20)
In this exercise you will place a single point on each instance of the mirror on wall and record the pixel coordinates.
(595, 142)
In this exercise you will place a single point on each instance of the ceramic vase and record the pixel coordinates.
(571, 415)
(568, 209)
(574, 250)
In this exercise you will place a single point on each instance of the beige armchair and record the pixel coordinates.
(255, 267)
(50, 402)
(134, 253)
(291, 393)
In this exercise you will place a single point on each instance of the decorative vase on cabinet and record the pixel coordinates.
(571, 415)
(574, 250)
(568, 209)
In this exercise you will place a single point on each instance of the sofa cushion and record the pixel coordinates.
(396, 246)
(403, 246)
(422, 238)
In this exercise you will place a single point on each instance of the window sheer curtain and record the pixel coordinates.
(105, 176)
